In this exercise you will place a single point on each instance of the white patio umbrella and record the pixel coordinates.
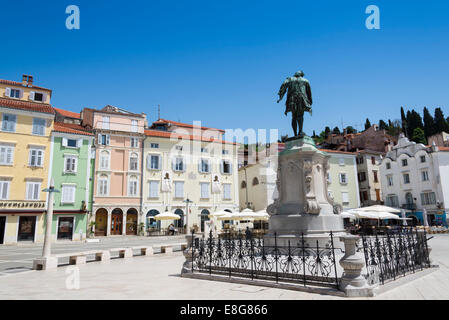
(379, 208)
(373, 214)
(246, 214)
(217, 214)
(261, 215)
(167, 216)
(346, 214)
(227, 216)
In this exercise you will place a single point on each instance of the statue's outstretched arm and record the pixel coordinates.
(282, 91)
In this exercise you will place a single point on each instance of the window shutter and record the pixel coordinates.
(20, 93)
(107, 139)
(99, 139)
(199, 165)
(44, 97)
(31, 97)
(230, 167)
(160, 162)
(64, 142)
(7, 92)
(79, 143)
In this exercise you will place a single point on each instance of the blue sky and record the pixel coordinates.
(222, 62)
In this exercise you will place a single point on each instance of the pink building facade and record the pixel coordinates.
(118, 169)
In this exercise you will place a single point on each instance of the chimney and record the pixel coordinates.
(24, 80)
(30, 81)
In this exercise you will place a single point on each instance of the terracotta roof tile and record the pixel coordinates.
(68, 114)
(15, 83)
(185, 125)
(337, 151)
(25, 105)
(71, 128)
(174, 135)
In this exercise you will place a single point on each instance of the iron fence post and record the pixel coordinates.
(303, 257)
(252, 257)
(276, 255)
(192, 246)
(333, 256)
(379, 257)
(229, 253)
(427, 248)
(210, 252)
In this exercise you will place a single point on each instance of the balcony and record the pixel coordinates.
(409, 206)
(22, 205)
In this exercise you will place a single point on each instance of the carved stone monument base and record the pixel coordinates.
(303, 206)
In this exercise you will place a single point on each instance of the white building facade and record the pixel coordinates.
(415, 178)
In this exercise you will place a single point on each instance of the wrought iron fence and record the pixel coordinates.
(257, 258)
(395, 254)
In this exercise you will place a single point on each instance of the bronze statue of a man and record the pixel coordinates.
(299, 99)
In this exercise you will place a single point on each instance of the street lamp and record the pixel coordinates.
(187, 201)
(47, 261)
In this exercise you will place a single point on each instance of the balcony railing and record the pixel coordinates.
(21, 204)
(409, 206)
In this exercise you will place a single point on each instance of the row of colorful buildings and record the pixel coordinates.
(113, 171)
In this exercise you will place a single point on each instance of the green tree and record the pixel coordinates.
(327, 131)
(429, 123)
(403, 121)
(414, 121)
(336, 130)
(419, 136)
(440, 122)
(350, 129)
(382, 125)
(367, 124)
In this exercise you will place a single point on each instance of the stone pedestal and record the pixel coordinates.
(48, 263)
(303, 206)
(353, 283)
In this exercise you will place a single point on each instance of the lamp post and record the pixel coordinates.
(47, 261)
(187, 201)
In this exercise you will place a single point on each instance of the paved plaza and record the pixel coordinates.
(19, 258)
(158, 277)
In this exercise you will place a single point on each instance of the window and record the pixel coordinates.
(70, 165)
(154, 189)
(341, 161)
(132, 187)
(6, 155)
(72, 143)
(376, 179)
(134, 143)
(103, 139)
(9, 122)
(154, 145)
(243, 185)
(179, 189)
(204, 150)
(255, 181)
(38, 126)
(345, 197)
(390, 180)
(4, 189)
(423, 159)
(343, 178)
(33, 190)
(225, 152)
(204, 166)
(204, 190)
(226, 191)
(329, 178)
(133, 162)
(359, 160)
(103, 186)
(68, 193)
(392, 201)
(226, 167)
(105, 123)
(104, 160)
(134, 125)
(428, 198)
(425, 175)
(179, 148)
(406, 178)
(362, 176)
(38, 96)
(404, 162)
(178, 164)
(14, 93)
(153, 162)
(36, 158)
(388, 165)
(373, 160)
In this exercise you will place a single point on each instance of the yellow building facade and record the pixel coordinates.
(26, 122)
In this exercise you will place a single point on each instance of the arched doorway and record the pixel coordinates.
(204, 217)
(180, 222)
(151, 223)
(101, 222)
(116, 221)
(131, 222)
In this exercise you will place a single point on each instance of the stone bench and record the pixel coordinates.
(144, 250)
(123, 252)
(77, 258)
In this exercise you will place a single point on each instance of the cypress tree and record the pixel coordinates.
(429, 124)
(367, 124)
(440, 122)
(403, 121)
(336, 130)
(382, 125)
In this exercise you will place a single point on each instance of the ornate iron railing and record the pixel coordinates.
(257, 258)
(395, 254)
